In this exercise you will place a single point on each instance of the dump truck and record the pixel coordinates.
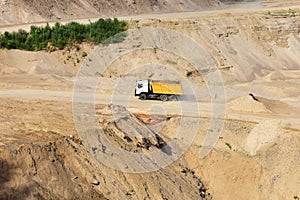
(158, 89)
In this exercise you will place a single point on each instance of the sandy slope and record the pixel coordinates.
(21, 11)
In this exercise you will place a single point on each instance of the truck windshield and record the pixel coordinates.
(140, 85)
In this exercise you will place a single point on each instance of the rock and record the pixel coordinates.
(95, 182)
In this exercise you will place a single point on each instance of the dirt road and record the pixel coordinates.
(135, 105)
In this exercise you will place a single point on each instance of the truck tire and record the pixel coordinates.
(143, 96)
(173, 98)
(164, 97)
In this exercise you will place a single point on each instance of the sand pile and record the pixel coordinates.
(278, 107)
(256, 104)
(247, 104)
(33, 63)
(263, 134)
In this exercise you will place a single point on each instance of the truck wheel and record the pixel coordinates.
(173, 98)
(164, 97)
(143, 97)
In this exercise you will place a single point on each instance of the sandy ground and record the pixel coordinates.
(256, 155)
(257, 6)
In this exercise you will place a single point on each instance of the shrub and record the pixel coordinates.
(84, 54)
(39, 38)
(228, 145)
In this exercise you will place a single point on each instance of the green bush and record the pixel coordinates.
(41, 38)
(228, 145)
(84, 54)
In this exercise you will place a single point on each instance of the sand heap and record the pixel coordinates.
(246, 103)
(263, 134)
(256, 104)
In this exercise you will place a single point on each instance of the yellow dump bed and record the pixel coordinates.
(166, 88)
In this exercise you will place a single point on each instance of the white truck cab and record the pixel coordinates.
(142, 86)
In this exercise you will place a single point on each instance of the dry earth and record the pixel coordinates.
(256, 157)
(23, 11)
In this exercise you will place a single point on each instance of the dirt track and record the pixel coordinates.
(138, 106)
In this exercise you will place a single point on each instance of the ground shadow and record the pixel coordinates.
(178, 98)
(7, 191)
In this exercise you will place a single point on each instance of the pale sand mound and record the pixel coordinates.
(247, 104)
(262, 135)
(278, 107)
(256, 104)
(35, 63)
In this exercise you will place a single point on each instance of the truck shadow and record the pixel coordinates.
(190, 98)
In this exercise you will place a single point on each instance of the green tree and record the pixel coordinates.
(61, 35)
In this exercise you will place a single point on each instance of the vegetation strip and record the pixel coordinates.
(59, 36)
